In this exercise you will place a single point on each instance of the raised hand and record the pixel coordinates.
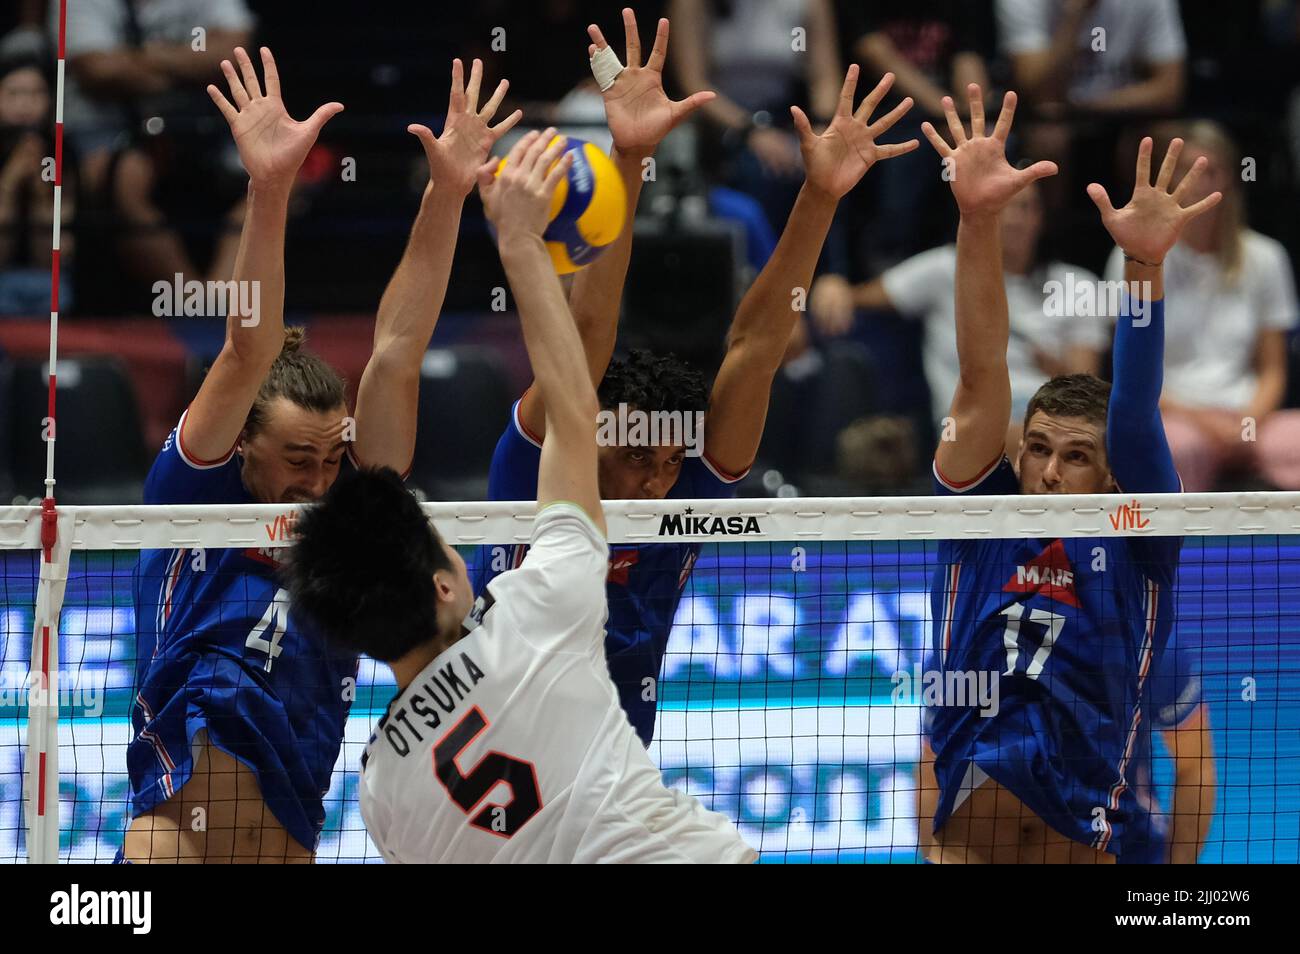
(637, 109)
(272, 144)
(455, 156)
(837, 160)
(1147, 228)
(518, 201)
(983, 182)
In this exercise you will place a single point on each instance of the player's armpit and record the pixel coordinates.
(217, 415)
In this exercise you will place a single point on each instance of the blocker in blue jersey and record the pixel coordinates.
(645, 582)
(1070, 630)
(240, 708)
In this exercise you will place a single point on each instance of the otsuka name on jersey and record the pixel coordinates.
(437, 694)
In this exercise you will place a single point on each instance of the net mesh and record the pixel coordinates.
(787, 698)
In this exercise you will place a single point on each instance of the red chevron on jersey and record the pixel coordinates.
(620, 564)
(1049, 574)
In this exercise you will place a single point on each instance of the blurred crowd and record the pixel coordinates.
(152, 188)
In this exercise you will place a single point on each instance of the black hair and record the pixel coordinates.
(363, 564)
(653, 382)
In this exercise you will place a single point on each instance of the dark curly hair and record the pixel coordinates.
(363, 564)
(653, 382)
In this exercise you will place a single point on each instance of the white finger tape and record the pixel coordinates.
(605, 66)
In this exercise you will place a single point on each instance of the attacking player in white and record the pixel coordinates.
(506, 740)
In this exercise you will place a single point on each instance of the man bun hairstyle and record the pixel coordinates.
(302, 377)
(1072, 395)
(362, 567)
(653, 382)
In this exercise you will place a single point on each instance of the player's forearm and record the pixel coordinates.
(257, 336)
(1192, 809)
(597, 294)
(550, 337)
(983, 323)
(767, 314)
(412, 302)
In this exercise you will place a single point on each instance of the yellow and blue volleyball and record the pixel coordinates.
(588, 210)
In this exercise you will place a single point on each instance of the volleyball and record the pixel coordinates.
(588, 209)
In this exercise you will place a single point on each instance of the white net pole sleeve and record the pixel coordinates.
(41, 772)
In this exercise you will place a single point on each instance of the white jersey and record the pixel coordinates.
(511, 746)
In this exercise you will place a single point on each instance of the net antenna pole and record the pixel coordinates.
(41, 776)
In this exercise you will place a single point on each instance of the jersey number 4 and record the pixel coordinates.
(468, 791)
(268, 632)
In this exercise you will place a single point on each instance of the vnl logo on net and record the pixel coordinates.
(102, 908)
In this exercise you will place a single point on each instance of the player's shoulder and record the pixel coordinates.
(515, 460)
(997, 478)
(701, 477)
(179, 476)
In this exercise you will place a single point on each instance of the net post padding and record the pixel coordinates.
(644, 521)
(41, 771)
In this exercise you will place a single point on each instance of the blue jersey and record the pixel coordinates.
(1174, 694)
(218, 651)
(645, 581)
(1068, 631)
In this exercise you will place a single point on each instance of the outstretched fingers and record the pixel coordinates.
(248, 73)
(456, 101)
(1189, 180)
(1209, 202)
(975, 98)
(954, 122)
(873, 98)
(659, 52)
(883, 124)
(323, 115)
(1100, 199)
(1144, 162)
(271, 73)
(1039, 170)
(223, 104)
(475, 83)
(490, 107)
(932, 134)
(1002, 128)
(237, 91)
(845, 105)
(1166, 173)
(890, 150)
(545, 157)
(632, 38)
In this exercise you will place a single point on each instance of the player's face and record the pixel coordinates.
(638, 473)
(295, 456)
(1063, 455)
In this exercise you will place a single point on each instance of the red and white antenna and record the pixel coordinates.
(41, 778)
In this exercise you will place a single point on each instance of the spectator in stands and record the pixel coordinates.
(756, 54)
(1047, 337)
(1084, 68)
(934, 48)
(1226, 355)
(136, 109)
(22, 29)
(27, 191)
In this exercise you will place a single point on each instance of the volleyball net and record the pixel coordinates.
(793, 695)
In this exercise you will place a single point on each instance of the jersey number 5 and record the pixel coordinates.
(468, 791)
